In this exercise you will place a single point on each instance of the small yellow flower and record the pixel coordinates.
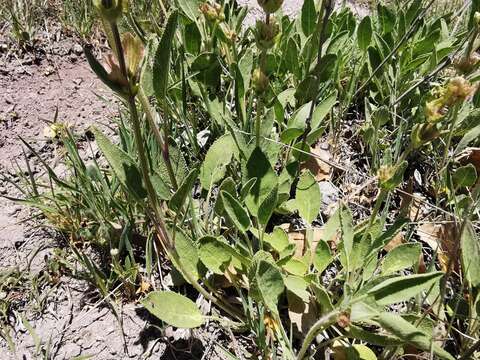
(458, 90)
(435, 110)
(144, 287)
(52, 131)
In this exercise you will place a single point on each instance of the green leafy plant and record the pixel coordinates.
(216, 209)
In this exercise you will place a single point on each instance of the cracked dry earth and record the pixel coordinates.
(69, 320)
(33, 88)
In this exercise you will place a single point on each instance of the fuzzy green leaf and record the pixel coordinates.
(308, 198)
(269, 283)
(403, 288)
(411, 334)
(227, 185)
(323, 256)
(308, 17)
(187, 255)
(178, 199)
(175, 309)
(323, 109)
(161, 64)
(364, 33)
(235, 211)
(401, 257)
(278, 239)
(122, 165)
(214, 254)
(189, 8)
(259, 167)
(266, 208)
(346, 225)
(470, 255)
(465, 176)
(218, 157)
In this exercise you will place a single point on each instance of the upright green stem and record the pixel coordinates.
(323, 323)
(449, 137)
(138, 139)
(158, 137)
(323, 20)
(158, 221)
(258, 120)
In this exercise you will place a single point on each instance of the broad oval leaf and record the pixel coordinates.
(229, 186)
(402, 288)
(266, 208)
(308, 17)
(308, 198)
(235, 211)
(258, 166)
(174, 309)
(214, 254)
(364, 33)
(187, 255)
(401, 257)
(411, 334)
(465, 176)
(323, 109)
(470, 255)
(185, 188)
(323, 256)
(218, 157)
(190, 8)
(278, 239)
(269, 282)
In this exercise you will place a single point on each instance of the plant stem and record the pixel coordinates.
(258, 120)
(323, 19)
(323, 323)
(407, 35)
(449, 137)
(156, 132)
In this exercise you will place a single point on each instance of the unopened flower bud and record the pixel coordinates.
(270, 6)
(424, 133)
(260, 81)
(390, 176)
(133, 50)
(110, 10)
(435, 110)
(458, 90)
(266, 34)
(466, 65)
(228, 35)
(114, 252)
(213, 12)
(476, 17)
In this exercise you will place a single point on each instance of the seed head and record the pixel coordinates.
(213, 13)
(111, 10)
(458, 90)
(266, 34)
(270, 6)
(466, 65)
